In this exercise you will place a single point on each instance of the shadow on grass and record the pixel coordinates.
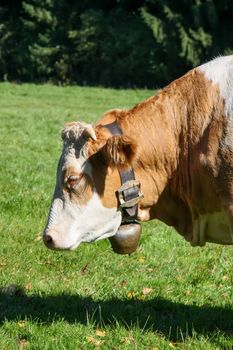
(173, 320)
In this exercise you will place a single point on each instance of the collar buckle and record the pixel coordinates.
(129, 194)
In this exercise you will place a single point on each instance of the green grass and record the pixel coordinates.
(93, 298)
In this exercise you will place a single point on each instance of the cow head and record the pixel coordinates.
(85, 207)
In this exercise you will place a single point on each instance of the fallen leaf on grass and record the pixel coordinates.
(84, 270)
(123, 283)
(38, 237)
(94, 341)
(100, 333)
(128, 340)
(146, 291)
(179, 278)
(225, 295)
(225, 278)
(28, 286)
(141, 259)
(23, 343)
(131, 295)
(48, 261)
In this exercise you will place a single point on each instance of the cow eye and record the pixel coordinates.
(72, 181)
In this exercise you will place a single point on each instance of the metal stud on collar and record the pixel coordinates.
(128, 203)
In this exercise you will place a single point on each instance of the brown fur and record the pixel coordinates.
(121, 151)
(176, 156)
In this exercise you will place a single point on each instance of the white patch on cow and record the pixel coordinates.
(212, 227)
(70, 159)
(55, 209)
(220, 71)
(70, 224)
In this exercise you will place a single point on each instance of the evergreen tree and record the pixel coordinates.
(38, 37)
(111, 42)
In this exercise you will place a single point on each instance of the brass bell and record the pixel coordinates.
(126, 239)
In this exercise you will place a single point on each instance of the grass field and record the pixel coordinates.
(167, 295)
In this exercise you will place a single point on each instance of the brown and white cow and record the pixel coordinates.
(180, 145)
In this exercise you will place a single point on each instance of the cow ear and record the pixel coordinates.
(121, 151)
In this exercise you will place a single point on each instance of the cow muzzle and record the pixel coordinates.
(52, 241)
(126, 240)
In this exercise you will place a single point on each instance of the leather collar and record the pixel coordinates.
(129, 193)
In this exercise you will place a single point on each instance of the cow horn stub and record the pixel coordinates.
(89, 133)
(74, 130)
(126, 240)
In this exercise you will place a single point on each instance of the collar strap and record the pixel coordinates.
(129, 193)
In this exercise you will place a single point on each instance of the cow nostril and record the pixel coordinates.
(48, 239)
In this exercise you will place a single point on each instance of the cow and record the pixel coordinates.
(169, 157)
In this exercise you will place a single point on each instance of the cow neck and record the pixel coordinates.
(129, 193)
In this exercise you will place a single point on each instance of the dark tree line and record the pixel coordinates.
(111, 42)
